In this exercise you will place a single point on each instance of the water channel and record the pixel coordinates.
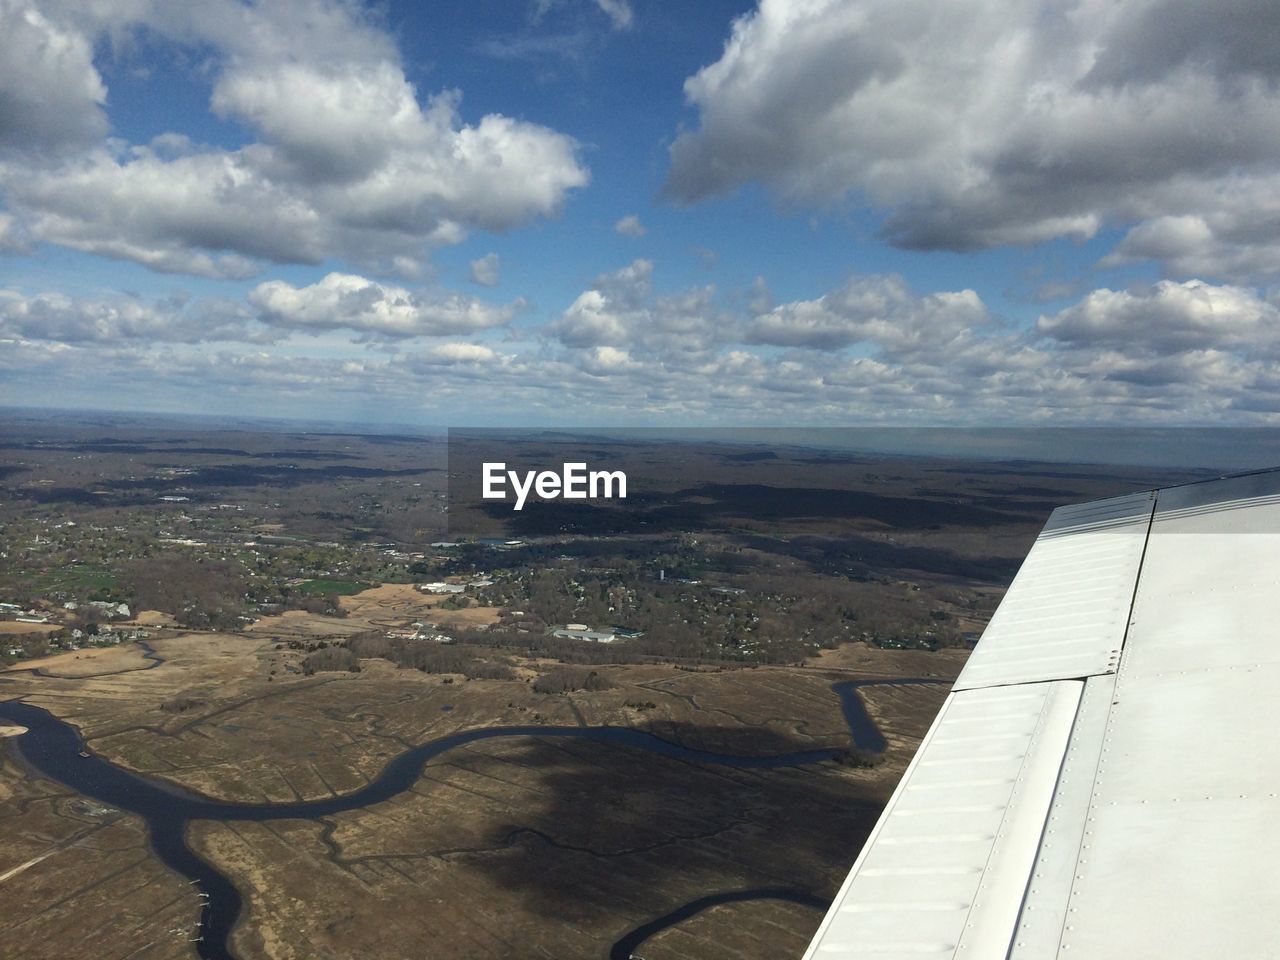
(55, 749)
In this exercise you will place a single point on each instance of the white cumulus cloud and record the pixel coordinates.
(620, 311)
(349, 160)
(350, 302)
(51, 95)
(1169, 318)
(448, 354)
(979, 123)
(618, 11)
(484, 271)
(877, 309)
(58, 318)
(630, 226)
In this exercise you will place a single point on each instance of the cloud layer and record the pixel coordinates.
(1159, 115)
(870, 350)
(348, 303)
(343, 301)
(343, 157)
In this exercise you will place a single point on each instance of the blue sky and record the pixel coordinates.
(620, 211)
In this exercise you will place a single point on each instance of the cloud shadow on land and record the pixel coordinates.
(607, 838)
(711, 505)
(867, 558)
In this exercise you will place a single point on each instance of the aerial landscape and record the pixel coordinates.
(386, 731)
(520, 479)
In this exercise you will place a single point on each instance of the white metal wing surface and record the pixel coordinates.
(1103, 780)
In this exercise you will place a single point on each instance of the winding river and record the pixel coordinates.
(56, 750)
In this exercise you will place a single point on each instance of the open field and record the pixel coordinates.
(77, 578)
(384, 606)
(88, 662)
(731, 930)
(344, 587)
(19, 628)
(396, 603)
(867, 661)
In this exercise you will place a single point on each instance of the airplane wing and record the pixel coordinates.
(1103, 780)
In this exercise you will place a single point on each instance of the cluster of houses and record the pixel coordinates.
(106, 608)
(104, 635)
(80, 639)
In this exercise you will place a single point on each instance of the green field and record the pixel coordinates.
(77, 578)
(343, 587)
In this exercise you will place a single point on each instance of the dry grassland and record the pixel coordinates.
(382, 607)
(20, 628)
(512, 847)
(730, 931)
(78, 881)
(88, 663)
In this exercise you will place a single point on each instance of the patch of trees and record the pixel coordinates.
(432, 657)
(329, 659)
(33, 645)
(323, 604)
(858, 758)
(199, 593)
(567, 679)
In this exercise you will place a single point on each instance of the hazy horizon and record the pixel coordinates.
(1207, 448)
